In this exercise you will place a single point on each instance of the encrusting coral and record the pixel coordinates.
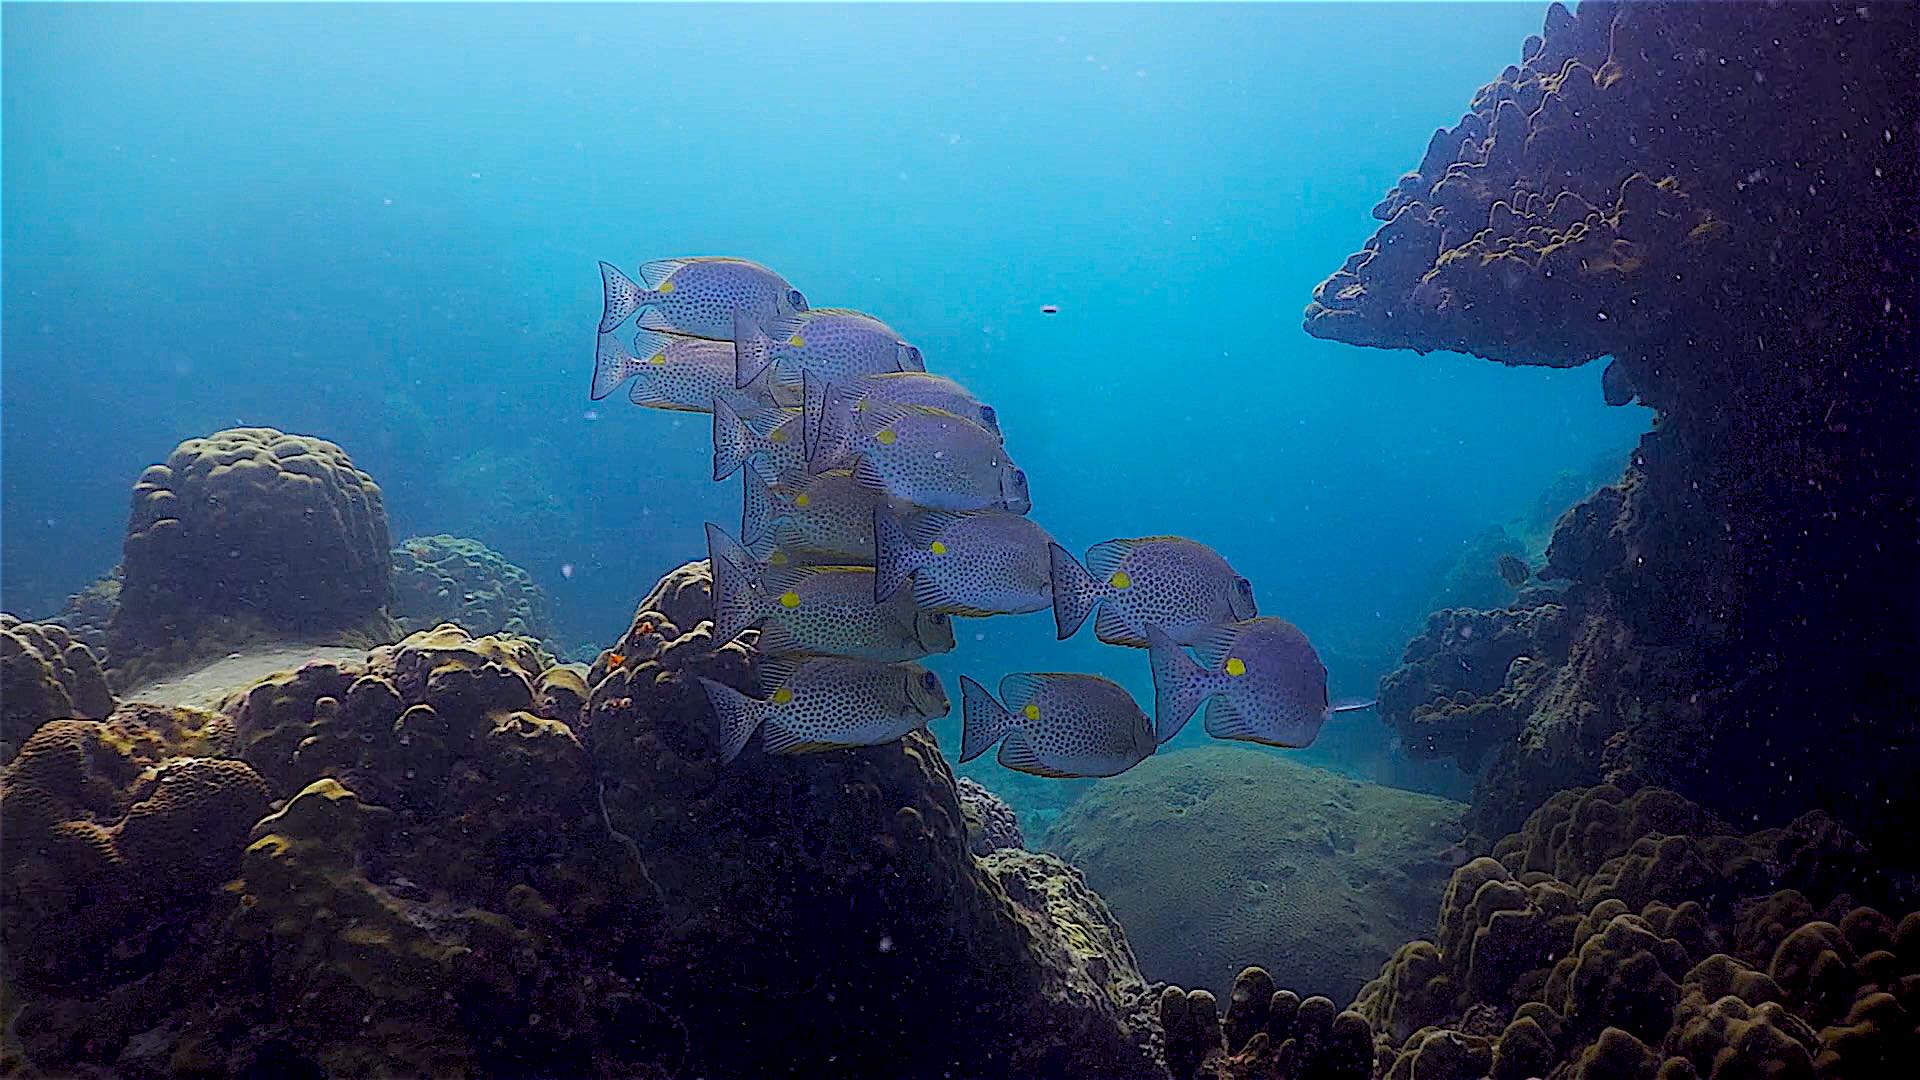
(250, 532)
(1637, 936)
(441, 579)
(44, 675)
(1717, 197)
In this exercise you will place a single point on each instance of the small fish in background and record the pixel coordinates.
(827, 703)
(823, 518)
(772, 437)
(1056, 724)
(1260, 679)
(698, 296)
(1049, 309)
(837, 414)
(986, 562)
(682, 374)
(1180, 585)
(939, 461)
(1513, 569)
(823, 610)
(834, 344)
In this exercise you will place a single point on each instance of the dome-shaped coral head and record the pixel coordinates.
(1260, 679)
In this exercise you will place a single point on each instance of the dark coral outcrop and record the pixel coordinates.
(991, 823)
(1718, 198)
(245, 532)
(1639, 936)
(1267, 1034)
(44, 675)
(441, 579)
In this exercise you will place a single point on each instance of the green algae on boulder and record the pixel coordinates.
(1217, 856)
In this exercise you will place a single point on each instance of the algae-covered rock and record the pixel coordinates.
(1217, 856)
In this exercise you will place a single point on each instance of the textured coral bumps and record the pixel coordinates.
(453, 579)
(44, 674)
(1718, 197)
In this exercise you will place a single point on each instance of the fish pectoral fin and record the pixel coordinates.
(654, 272)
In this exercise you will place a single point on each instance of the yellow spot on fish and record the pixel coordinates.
(1120, 579)
(782, 696)
(1236, 667)
(938, 548)
(778, 558)
(797, 341)
(801, 501)
(1031, 712)
(657, 359)
(777, 435)
(884, 436)
(789, 599)
(665, 286)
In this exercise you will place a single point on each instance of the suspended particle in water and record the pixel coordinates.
(566, 570)
(590, 415)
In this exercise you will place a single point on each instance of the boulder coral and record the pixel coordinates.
(250, 531)
(1266, 1034)
(451, 579)
(1212, 857)
(1718, 199)
(45, 674)
(1638, 936)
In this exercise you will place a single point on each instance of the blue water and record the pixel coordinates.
(380, 225)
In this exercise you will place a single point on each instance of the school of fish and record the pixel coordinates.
(879, 504)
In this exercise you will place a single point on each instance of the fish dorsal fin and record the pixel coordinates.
(654, 272)
(763, 422)
(1019, 689)
(781, 328)
(1019, 754)
(1213, 644)
(926, 526)
(1104, 559)
(1110, 626)
(1224, 720)
(773, 672)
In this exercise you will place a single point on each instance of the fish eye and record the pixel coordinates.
(938, 618)
(989, 417)
(1020, 477)
(928, 680)
(798, 302)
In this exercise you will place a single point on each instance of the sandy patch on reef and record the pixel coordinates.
(206, 686)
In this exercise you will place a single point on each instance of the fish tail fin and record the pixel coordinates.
(612, 365)
(756, 509)
(983, 721)
(1074, 591)
(1179, 684)
(752, 351)
(620, 296)
(732, 441)
(738, 715)
(734, 584)
(893, 554)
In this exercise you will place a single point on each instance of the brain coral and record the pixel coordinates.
(44, 675)
(1718, 197)
(1215, 856)
(279, 531)
(1629, 936)
(452, 579)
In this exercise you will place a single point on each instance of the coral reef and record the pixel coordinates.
(450, 579)
(1315, 873)
(245, 533)
(1638, 936)
(1718, 197)
(991, 823)
(1267, 1034)
(45, 675)
(89, 612)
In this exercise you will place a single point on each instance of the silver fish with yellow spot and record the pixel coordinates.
(1180, 585)
(824, 518)
(1057, 724)
(821, 610)
(1260, 679)
(700, 295)
(834, 344)
(771, 438)
(985, 562)
(827, 703)
(940, 461)
(683, 374)
(839, 413)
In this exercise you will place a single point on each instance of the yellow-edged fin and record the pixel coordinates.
(655, 272)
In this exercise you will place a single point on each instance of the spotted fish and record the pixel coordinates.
(834, 344)
(826, 703)
(826, 518)
(839, 413)
(1178, 584)
(698, 296)
(1260, 680)
(986, 562)
(1056, 724)
(686, 374)
(771, 438)
(822, 610)
(939, 461)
